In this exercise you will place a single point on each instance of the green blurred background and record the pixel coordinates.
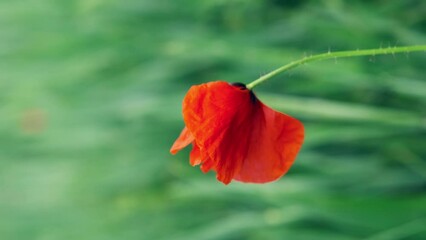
(91, 96)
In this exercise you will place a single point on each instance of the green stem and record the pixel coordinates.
(342, 54)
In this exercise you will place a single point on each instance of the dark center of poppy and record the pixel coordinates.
(242, 86)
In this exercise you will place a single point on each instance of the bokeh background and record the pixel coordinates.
(91, 96)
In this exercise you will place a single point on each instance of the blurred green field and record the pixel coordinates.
(90, 104)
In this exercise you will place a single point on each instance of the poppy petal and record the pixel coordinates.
(219, 117)
(275, 141)
(207, 166)
(195, 156)
(184, 139)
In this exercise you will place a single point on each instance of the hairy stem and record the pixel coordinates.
(342, 54)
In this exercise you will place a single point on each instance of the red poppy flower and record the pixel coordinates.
(236, 135)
